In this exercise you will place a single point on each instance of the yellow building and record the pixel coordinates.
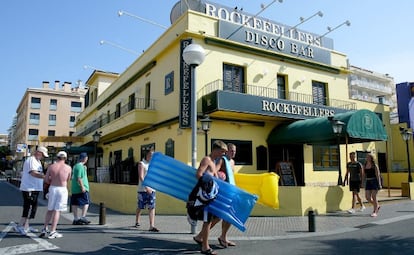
(272, 90)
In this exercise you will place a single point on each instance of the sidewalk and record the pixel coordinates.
(393, 208)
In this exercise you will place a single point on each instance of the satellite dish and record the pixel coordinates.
(183, 5)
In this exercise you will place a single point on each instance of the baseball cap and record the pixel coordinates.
(83, 155)
(62, 154)
(43, 150)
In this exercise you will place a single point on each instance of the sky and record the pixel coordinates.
(52, 40)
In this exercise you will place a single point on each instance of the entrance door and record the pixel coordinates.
(382, 162)
(288, 153)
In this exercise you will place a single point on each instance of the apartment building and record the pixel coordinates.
(49, 111)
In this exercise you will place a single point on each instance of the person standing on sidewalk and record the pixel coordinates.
(146, 195)
(229, 177)
(80, 190)
(354, 176)
(31, 184)
(208, 166)
(57, 176)
(373, 183)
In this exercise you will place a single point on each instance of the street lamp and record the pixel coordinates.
(406, 136)
(205, 126)
(96, 138)
(193, 55)
(337, 129)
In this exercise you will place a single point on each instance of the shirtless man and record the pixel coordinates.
(57, 175)
(208, 166)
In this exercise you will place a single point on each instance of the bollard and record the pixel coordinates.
(102, 214)
(70, 203)
(193, 229)
(311, 221)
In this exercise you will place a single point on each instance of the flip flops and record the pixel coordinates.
(209, 252)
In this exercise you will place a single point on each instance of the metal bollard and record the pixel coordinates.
(311, 221)
(102, 214)
(193, 229)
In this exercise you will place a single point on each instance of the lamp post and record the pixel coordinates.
(406, 136)
(205, 126)
(193, 55)
(337, 129)
(96, 136)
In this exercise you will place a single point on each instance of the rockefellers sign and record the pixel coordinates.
(263, 33)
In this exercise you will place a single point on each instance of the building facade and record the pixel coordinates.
(46, 112)
(270, 89)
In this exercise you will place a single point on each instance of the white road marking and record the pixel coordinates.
(40, 245)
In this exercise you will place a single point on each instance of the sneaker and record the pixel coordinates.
(43, 233)
(153, 229)
(137, 225)
(21, 230)
(374, 214)
(362, 209)
(78, 222)
(351, 211)
(84, 220)
(54, 235)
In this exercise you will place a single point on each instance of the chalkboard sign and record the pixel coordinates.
(287, 174)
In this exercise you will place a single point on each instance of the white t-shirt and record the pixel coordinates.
(28, 182)
(145, 165)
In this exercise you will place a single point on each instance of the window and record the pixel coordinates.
(169, 83)
(244, 151)
(35, 103)
(118, 110)
(33, 135)
(34, 119)
(76, 106)
(261, 153)
(71, 121)
(325, 157)
(131, 102)
(281, 86)
(52, 120)
(233, 78)
(169, 147)
(319, 93)
(51, 133)
(148, 96)
(53, 104)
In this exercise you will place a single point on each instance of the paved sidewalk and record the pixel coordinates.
(393, 208)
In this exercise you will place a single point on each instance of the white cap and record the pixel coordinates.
(43, 150)
(62, 154)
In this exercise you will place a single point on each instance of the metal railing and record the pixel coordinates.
(103, 119)
(273, 93)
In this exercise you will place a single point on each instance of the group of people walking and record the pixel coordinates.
(55, 182)
(366, 176)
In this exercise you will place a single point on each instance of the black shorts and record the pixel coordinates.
(355, 186)
(199, 213)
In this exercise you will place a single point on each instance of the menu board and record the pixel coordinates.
(287, 173)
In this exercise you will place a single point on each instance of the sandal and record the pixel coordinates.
(222, 242)
(153, 229)
(209, 252)
(230, 243)
(137, 225)
(197, 241)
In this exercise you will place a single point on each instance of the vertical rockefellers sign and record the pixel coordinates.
(185, 89)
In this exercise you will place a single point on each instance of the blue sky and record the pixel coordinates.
(48, 40)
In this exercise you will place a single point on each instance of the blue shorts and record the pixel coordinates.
(146, 200)
(80, 199)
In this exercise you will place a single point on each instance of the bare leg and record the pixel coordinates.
(225, 226)
(55, 220)
(205, 231)
(85, 210)
(137, 216)
(75, 212)
(47, 219)
(151, 215)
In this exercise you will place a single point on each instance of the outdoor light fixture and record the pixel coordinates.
(205, 126)
(121, 12)
(96, 137)
(193, 55)
(337, 126)
(118, 46)
(406, 136)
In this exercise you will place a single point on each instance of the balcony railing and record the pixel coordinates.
(273, 93)
(103, 119)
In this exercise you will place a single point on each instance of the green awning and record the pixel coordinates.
(360, 126)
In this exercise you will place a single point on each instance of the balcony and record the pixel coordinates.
(128, 117)
(272, 93)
